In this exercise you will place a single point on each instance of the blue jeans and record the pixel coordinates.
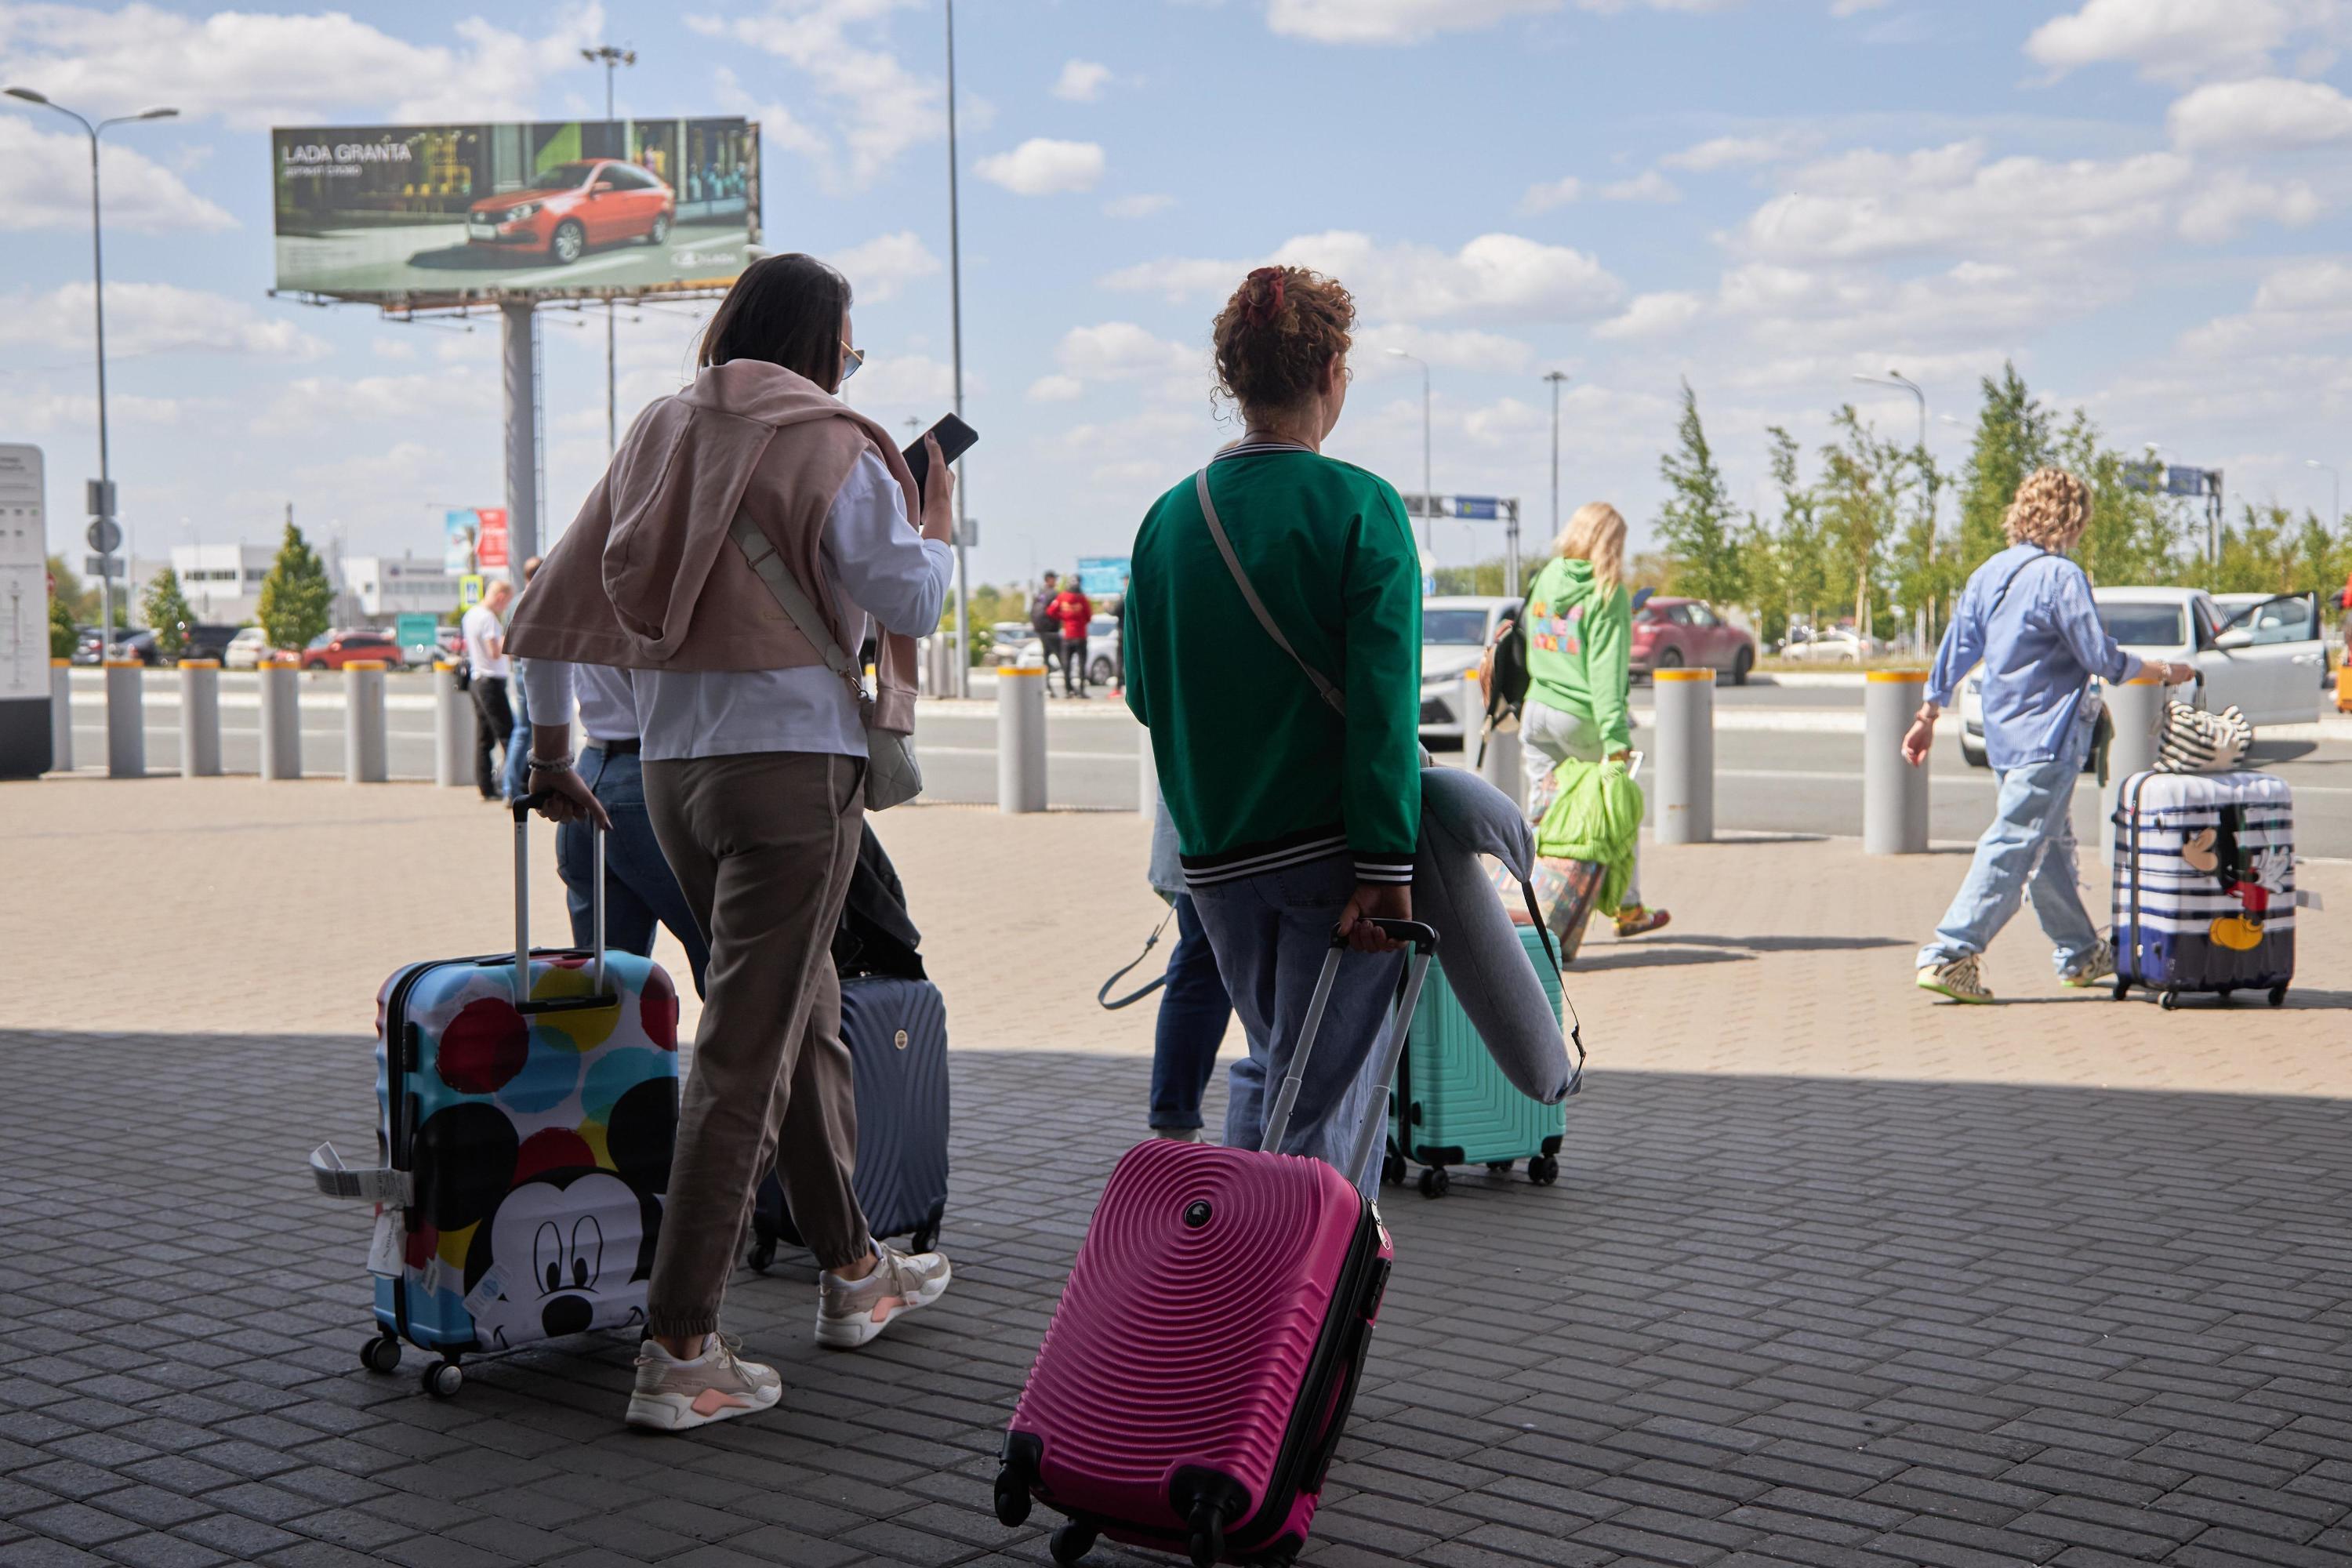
(1270, 933)
(639, 890)
(2031, 843)
(518, 768)
(1193, 1012)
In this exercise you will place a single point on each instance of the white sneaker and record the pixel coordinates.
(1957, 979)
(850, 1312)
(673, 1395)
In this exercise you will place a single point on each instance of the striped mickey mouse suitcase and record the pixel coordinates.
(2204, 884)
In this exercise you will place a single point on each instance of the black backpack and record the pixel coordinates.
(1507, 679)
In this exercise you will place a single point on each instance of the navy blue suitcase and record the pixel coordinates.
(896, 1031)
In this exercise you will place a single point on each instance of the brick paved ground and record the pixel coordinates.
(1830, 1277)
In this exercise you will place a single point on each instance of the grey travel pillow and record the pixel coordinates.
(1463, 818)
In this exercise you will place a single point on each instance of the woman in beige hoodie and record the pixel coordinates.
(754, 759)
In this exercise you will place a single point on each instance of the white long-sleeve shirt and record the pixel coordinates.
(608, 708)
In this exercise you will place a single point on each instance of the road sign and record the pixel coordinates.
(105, 535)
(469, 589)
(413, 629)
(101, 566)
(1486, 507)
(100, 495)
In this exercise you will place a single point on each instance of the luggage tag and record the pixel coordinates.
(489, 1288)
(385, 1248)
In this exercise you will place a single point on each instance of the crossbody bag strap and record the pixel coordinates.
(760, 552)
(1329, 693)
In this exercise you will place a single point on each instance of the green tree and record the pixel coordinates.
(168, 611)
(295, 595)
(1864, 483)
(64, 630)
(2013, 438)
(2270, 551)
(79, 598)
(1790, 550)
(1699, 525)
(2134, 537)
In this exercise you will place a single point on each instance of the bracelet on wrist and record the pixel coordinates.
(551, 764)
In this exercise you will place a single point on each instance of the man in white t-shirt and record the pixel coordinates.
(486, 653)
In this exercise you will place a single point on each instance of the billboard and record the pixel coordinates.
(1102, 576)
(426, 214)
(476, 537)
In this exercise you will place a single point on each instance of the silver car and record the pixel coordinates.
(1455, 630)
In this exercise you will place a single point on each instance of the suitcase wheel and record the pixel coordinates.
(2169, 1000)
(2123, 988)
(1544, 1170)
(1208, 1522)
(1071, 1542)
(2278, 995)
(924, 1239)
(1012, 1497)
(1392, 1169)
(381, 1355)
(1434, 1183)
(443, 1379)
(1499, 1167)
(763, 1253)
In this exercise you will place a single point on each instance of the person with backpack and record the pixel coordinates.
(2028, 614)
(1578, 637)
(1273, 652)
(1048, 627)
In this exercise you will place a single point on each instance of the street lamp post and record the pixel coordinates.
(1558, 378)
(1897, 378)
(955, 332)
(2336, 490)
(98, 295)
(1428, 490)
(612, 59)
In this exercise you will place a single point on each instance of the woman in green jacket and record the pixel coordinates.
(1580, 632)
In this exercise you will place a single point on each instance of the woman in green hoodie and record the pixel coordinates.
(1580, 632)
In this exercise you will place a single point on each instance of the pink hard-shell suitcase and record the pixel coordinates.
(1193, 1385)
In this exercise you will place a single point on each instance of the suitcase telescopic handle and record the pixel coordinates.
(523, 805)
(1424, 948)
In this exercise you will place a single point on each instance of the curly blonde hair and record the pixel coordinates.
(1596, 533)
(2053, 508)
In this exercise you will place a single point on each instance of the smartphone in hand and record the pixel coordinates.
(955, 439)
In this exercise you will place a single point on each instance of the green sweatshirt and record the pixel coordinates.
(1579, 650)
(1257, 769)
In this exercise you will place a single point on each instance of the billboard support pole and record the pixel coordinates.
(521, 332)
(955, 322)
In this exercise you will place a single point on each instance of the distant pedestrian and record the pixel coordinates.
(511, 782)
(1580, 632)
(486, 655)
(1075, 611)
(2028, 614)
(1042, 621)
(1297, 797)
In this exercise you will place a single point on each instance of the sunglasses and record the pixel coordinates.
(850, 360)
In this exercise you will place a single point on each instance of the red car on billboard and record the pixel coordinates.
(571, 206)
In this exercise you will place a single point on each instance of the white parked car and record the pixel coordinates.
(1102, 649)
(1832, 645)
(1455, 632)
(2263, 654)
(246, 650)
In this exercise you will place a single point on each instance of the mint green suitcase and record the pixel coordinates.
(1454, 1107)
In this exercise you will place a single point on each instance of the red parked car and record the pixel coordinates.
(1677, 634)
(596, 201)
(332, 650)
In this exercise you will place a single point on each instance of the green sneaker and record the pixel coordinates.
(2094, 969)
(1958, 980)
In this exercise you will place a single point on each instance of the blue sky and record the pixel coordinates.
(2143, 204)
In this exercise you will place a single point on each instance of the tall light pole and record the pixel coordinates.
(612, 60)
(1558, 378)
(98, 293)
(1428, 490)
(2335, 487)
(1897, 378)
(955, 331)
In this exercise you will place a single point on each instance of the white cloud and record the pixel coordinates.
(902, 381)
(1464, 348)
(2175, 40)
(1647, 186)
(44, 183)
(1728, 153)
(1056, 388)
(1541, 198)
(2297, 305)
(1121, 350)
(1082, 82)
(1137, 205)
(152, 318)
(1652, 315)
(2232, 200)
(1393, 21)
(255, 70)
(883, 108)
(2259, 114)
(1495, 275)
(1042, 166)
(878, 269)
(341, 403)
(1855, 7)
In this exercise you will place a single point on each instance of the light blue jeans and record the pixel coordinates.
(1270, 933)
(2030, 844)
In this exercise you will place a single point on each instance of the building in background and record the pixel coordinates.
(383, 587)
(221, 582)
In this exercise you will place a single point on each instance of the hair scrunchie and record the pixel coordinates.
(1259, 312)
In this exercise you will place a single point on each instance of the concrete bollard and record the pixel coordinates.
(1504, 764)
(62, 715)
(1893, 793)
(126, 719)
(200, 737)
(1146, 799)
(1682, 791)
(366, 747)
(1020, 741)
(2136, 709)
(281, 720)
(453, 729)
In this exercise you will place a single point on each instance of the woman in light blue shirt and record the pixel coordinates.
(2028, 614)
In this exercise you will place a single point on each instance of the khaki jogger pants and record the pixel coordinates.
(763, 845)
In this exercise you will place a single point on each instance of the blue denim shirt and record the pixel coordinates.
(2040, 646)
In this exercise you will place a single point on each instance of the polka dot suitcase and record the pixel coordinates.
(527, 1110)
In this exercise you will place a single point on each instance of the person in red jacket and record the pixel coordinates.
(1074, 610)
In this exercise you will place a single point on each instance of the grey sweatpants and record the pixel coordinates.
(1555, 735)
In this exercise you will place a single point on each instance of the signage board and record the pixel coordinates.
(469, 590)
(419, 635)
(438, 215)
(1102, 576)
(26, 731)
(490, 538)
(1485, 507)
